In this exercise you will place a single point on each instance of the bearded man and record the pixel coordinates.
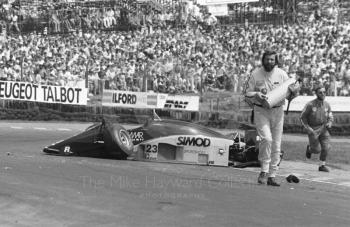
(268, 120)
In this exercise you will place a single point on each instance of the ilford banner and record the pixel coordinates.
(129, 99)
(12, 90)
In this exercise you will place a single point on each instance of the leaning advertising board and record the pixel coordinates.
(129, 99)
(338, 103)
(12, 90)
(216, 2)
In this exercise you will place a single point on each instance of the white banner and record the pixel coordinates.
(42, 93)
(129, 99)
(216, 2)
(178, 102)
(338, 103)
(149, 100)
(218, 10)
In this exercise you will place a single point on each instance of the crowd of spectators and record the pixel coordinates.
(196, 58)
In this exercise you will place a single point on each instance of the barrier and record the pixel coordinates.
(225, 109)
(338, 103)
(131, 99)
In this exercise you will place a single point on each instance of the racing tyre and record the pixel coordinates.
(118, 141)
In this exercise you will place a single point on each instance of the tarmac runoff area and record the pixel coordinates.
(303, 170)
(309, 172)
(45, 190)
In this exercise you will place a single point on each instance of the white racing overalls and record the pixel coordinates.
(268, 122)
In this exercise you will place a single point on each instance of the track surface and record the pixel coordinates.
(42, 190)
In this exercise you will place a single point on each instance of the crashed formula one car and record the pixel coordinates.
(162, 141)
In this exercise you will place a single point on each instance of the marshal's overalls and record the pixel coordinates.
(316, 115)
(268, 122)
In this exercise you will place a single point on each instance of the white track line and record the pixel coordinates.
(64, 129)
(41, 128)
(37, 128)
(322, 179)
(345, 184)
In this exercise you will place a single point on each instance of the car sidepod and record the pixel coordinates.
(190, 149)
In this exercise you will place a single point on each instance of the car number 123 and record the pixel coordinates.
(151, 148)
(151, 151)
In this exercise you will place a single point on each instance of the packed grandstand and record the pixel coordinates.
(166, 46)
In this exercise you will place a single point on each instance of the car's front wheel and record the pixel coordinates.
(118, 141)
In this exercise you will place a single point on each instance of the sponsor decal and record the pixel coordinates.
(152, 100)
(124, 98)
(178, 102)
(195, 151)
(193, 141)
(67, 150)
(136, 136)
(175, 104)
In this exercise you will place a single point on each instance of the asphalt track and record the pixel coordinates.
(43, 190)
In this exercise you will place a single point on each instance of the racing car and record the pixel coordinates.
(162, 140)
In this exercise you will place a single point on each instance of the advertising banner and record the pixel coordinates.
(129, 99)
(12, 90)
(218, 10)
(215, 2)
(338, 103)
(178, 102)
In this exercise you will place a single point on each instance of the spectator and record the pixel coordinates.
(210, 52)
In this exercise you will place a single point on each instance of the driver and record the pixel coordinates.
(268, 121)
